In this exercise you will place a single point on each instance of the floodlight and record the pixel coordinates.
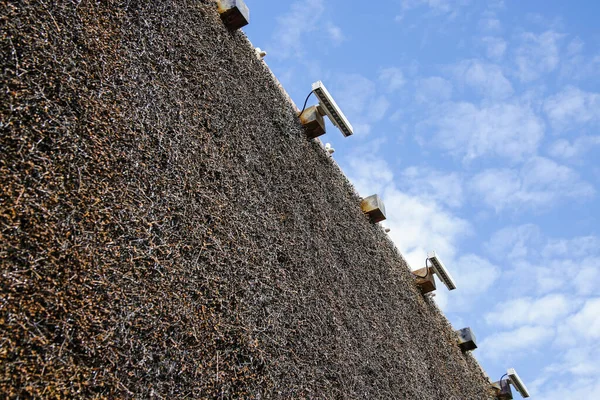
(440, 270)
(330, 107)
(516, 381)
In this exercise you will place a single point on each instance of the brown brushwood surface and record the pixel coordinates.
(167, 231)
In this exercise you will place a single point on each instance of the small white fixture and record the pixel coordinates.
(260, 53)
(331, 109)
(329, 149)
(516, 381)
(440, 270)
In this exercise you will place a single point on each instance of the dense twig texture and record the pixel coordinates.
(167, 231)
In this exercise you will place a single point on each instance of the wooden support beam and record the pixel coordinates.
(374, 208)
(466, 339)
(234, 13)
(314, 124)
(502, 389)
(426, 284)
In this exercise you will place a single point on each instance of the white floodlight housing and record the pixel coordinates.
(516, 381)
(441, 271)
(329, 106)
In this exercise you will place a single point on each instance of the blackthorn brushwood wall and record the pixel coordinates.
(167, 231)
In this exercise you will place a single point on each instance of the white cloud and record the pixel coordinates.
(368, 173)
(360, 100)
(543, 311)
(302, 18)
(444, 188)
(549, 263)
(577, 389)
(474, 274)
(583, 325)
(490, 23)
(569, 150)
(378, 108)
(392, 78)
(587, 279)
(551, 275)
(537, 55)
(575, 46)
(516, 342)
(514, 242)
(420, 225)
(578, 361)
(433, 90)
(539, 184)
(495, 47)
(438, 7)
(572, 107)
(587, 321)
(507, 130)
(579, 65)
(573, 375)
(487, 79)
(582, 246)
(335, 34)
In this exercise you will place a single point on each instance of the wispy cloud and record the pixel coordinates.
(572, 107)
(445, 187)
(563, 319)
(537, 55)
(544, 311)
(361, 101)
(433, 90)
(508, 130)
(565, 149)
(303, 18)
(449, 8)
(474, 274)
(392, 78)
(582, 246)
(487, 79)
(511, 344)
(540, 183)
(489, 22)
(335, 34)
(578, 65)
(495, 47)
(514, 242)
(585, 324)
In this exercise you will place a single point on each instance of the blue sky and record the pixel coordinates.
(479, 125)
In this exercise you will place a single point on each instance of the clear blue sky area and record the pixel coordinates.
(478, 122)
